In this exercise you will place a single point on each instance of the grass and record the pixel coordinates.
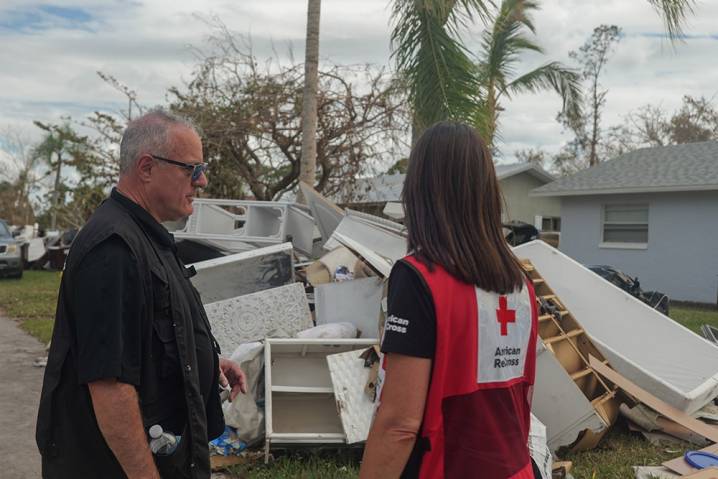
(693, 316)
(32, 301)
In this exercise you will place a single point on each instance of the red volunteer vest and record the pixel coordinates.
(477, 414)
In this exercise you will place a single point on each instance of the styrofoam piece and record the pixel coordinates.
(300, 406)
(326, 214)
(538, 447)
(238, 221)
(278, 312)
(356, 409)
(35, 249)
(654, 472)
(394, 210)
(244, 273)
(559, 403)
(646, 347)
(356, 301)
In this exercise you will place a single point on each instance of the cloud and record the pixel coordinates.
(53, 48)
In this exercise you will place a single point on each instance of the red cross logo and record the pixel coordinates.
(505, 316)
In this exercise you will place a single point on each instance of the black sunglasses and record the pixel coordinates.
(197, 168)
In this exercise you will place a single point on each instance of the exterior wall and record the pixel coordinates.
(522, 207)
(681, 258)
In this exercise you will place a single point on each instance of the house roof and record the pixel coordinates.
(384, 188)
(687, 167)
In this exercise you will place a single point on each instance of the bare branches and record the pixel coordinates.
(250, 114)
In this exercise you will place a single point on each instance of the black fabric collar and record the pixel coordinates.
(146, 221)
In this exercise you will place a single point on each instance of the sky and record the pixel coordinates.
(51, 50)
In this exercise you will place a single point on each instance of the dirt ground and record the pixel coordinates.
(20, 385)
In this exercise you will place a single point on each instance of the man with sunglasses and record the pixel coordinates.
(132, 346)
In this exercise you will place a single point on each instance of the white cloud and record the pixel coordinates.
(50, 71)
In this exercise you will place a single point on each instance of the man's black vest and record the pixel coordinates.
(161, 275)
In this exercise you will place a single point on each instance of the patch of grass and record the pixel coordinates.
(618, 452)
(693, 316)
(32, 300)
(312, 464)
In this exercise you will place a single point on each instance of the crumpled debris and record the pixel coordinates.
(342, 273)
(228, 444)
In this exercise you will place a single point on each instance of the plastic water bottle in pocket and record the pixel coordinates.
(163, 443)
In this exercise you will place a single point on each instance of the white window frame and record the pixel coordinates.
(623, 245)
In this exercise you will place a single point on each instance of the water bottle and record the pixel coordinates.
(163, 443)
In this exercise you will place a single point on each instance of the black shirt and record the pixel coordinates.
(127, 310)
(410, 326)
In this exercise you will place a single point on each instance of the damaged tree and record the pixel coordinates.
(251, 118)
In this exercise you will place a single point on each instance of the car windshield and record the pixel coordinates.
(4, 231)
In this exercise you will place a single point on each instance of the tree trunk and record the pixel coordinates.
(309, 101)
(56, 192)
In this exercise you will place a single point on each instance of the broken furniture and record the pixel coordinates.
(356, 301)
(300, 404)
(326, 214)
(380, 242)
(648, 348)
(574, 402)
(278, 312)
(244, 273)
(239, 225)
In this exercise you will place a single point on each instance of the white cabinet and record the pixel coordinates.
(299, 397)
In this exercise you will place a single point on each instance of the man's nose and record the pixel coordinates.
(201, 182)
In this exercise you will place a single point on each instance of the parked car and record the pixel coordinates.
(632, 286)
(10, 253)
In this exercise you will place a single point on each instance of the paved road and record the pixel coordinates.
(20, 385)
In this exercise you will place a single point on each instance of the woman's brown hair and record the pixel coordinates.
(452, 207)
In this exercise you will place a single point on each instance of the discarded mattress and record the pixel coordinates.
(278, 312)
(244, 273)
(648, 348)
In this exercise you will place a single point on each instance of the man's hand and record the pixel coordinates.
(231, 374)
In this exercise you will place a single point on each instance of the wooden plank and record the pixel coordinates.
(709, 432)
(680, 465)
(710, 473)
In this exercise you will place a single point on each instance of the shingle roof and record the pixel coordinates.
(687, 167)
(388, 187)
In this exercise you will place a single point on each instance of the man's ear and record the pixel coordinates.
(144, 167)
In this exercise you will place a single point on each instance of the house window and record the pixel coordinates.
(550, 223)
(625, 224)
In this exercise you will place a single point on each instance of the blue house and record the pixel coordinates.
(652, 213)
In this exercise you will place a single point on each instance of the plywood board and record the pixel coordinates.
(709, 432)
(560, 404)
(676, 364)
(680, 466)
(349, 376)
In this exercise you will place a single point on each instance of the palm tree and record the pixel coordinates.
(442, 80)
(502, 43)
(440, 76)
(308, 162)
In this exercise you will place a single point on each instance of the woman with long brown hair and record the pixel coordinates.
(460, 336)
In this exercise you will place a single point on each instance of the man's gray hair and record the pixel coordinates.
(149, 134)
